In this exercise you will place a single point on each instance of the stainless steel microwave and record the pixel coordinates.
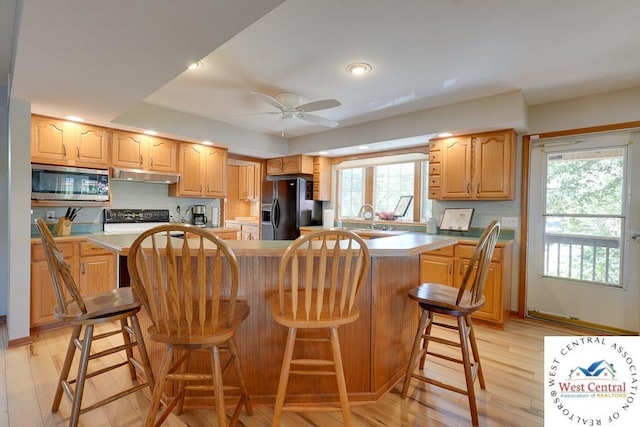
(50, 182)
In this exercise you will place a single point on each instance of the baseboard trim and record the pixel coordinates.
(579, 324)
(19, 342)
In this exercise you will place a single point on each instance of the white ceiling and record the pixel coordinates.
(105, 60)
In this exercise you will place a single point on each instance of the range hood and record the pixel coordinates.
(144, 176)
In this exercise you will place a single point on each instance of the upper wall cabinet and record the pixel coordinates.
(290, 165)
(138, 151)
(202, 172)
(60, 142)
(249, 182)
(477, 167)
(321, 178)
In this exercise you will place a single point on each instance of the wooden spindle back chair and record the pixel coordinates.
(117, 305)
(460, 304)
(188, 287)
(319, 278)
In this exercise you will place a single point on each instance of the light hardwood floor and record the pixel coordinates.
(512, 363)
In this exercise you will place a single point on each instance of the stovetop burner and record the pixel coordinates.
(133, 221)
(128, 216)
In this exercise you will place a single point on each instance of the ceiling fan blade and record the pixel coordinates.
(268, 99)
(317, 120)
(322, 104)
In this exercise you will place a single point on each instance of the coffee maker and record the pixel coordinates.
(199, 217)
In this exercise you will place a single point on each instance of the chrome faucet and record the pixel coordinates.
(363, 213)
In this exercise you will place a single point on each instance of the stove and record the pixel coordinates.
(133, 221)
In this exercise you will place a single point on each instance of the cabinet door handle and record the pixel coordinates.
(450, 268)
(78, 152)
(478, 188)
(140, 158)
(151, 161)
(468, 188)
(64, 150)
(82, 268)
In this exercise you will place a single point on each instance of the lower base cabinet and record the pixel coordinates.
(93, 268)
(448, 265)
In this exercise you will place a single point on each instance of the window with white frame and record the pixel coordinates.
(351, 191)
(389, 178)
(390, 182)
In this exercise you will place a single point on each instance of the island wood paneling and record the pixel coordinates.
(375, 348)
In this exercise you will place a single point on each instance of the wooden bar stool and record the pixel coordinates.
(459, 304)
(118, 305)
(319, 277)
(189, 293)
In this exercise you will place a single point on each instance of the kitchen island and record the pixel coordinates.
(375, 348)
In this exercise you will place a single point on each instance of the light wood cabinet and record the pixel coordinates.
(215, 179)
(321, 178)
(60, 142)
(139, 151)
(448, 265)
(202, 172)
(93, 268)
(476, 167)
(97, 269)
(298, 164)
(437, 266)
(249, 182)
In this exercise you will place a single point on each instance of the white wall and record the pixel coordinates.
(4, 199)
(606, 108)
(19, 227)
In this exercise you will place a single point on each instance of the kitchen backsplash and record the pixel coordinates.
(128, 195)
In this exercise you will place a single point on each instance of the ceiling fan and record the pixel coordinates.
(290, 107)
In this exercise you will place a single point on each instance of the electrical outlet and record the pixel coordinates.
(510, 221)
(51, 214)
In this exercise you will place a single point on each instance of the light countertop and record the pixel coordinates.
(407, 244)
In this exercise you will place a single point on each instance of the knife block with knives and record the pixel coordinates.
(63, 227)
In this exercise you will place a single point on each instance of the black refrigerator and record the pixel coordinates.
(287, 205)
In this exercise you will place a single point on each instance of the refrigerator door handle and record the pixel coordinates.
(275, 214)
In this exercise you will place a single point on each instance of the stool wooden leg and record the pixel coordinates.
(66, 367)
(284, 377)
(468, 375)
(216, 368)
(425, 343)
(243, 388)
(414, 351)
(82, 375)
(124, 327)
(476, 353)
(142, 349)
(342, 385)
(184, 367)
(165, 365)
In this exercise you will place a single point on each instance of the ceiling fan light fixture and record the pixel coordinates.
(289, 100)
(74, 118)
(358, 68)
(195, 65)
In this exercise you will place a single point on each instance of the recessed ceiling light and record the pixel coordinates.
(358, 68)
(207, 143)
(362, 147)
(195, 65)
(323, 153)
(445, 134)
(74, 118)
(150, 132)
